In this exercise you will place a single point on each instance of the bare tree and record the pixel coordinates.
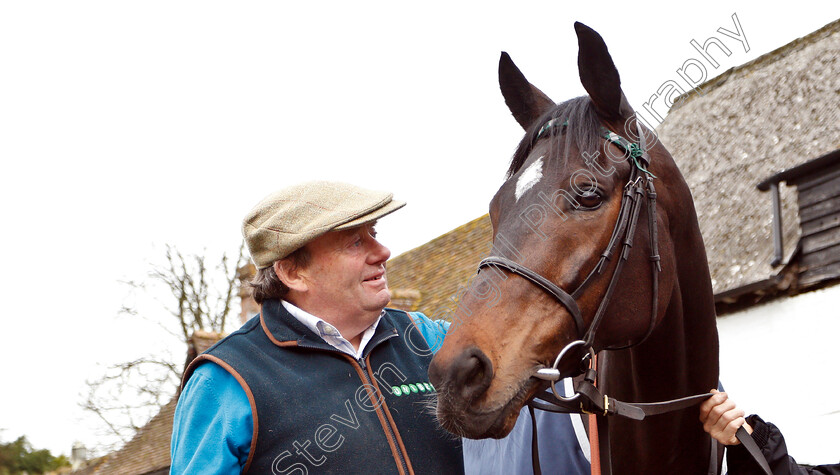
(194, 296)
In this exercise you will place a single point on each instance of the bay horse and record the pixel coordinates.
(560, 217)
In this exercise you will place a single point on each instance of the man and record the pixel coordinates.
(721, 418)
(325, 379)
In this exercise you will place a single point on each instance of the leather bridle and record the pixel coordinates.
(639, 187)
(588, 398)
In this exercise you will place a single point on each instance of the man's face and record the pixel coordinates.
(346, 275)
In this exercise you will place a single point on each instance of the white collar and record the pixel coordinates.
(330, 333)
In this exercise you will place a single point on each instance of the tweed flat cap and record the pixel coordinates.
(286, 220)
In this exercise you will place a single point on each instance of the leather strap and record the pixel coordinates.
(632, 217)
(746, 439)
(535, 447)
(604, 455)
(550, 287)
(593, 401)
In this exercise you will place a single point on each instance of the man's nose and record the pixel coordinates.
(379, 253)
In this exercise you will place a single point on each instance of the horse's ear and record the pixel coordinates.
(599, 75)
(525, 101)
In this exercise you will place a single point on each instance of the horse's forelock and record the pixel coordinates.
(582, 130)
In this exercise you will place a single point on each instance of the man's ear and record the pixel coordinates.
(290, 275)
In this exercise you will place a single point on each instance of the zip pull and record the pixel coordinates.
(362, 363)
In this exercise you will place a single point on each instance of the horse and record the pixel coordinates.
(558, 223)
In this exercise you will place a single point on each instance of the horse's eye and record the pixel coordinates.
(590, 200)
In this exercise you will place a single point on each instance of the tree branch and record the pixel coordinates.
(196, 296)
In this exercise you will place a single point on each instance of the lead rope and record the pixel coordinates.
(594, 442)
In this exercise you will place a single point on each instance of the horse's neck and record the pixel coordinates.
(680, 358)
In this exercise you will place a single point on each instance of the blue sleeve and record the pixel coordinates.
(213, 425)
(432, 330)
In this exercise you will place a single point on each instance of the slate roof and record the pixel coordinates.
(148, 451)
(753, 121)
(434, 271)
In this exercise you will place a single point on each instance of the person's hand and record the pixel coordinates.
(721, 418)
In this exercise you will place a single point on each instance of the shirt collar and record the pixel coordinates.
(329, 333)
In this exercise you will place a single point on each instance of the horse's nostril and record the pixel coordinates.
(472, 371)
(469, 371)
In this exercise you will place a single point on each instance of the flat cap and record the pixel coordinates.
(286, 220)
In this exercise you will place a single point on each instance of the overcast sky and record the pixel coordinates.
(128, 125)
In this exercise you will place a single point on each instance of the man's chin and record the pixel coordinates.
(380, 300)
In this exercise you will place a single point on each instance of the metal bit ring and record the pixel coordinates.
(557, 364)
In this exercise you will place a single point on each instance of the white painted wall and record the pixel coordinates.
(781, 360)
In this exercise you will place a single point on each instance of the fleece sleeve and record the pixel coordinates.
(213, 426)
(432, 330)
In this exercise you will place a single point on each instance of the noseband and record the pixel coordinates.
(638, 188)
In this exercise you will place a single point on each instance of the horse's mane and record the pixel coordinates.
(583, 129)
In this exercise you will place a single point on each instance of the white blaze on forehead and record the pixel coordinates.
(530, 177)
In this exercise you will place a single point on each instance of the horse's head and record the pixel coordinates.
(555, 214)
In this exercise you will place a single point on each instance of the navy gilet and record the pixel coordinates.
(316, 409)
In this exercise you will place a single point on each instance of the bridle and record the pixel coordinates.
(639, 188)
(588, 398)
